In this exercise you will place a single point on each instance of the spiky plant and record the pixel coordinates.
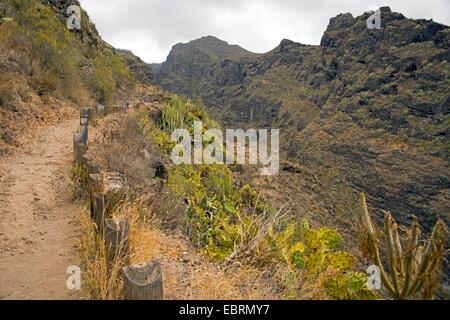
(173, 114)
(412, 271)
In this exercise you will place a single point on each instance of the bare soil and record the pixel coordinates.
(38, 219)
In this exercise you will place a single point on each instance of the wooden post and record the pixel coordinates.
(116, 240)
(93, 168)
(143, 281)
(99, 211)
(95, 185)
(85, 161)
(112, 198)
(84, 121)
(85, 113)
(80, 151)
(83, 131)
(76, 140)
(114, 188)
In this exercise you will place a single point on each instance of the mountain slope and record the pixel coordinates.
(46, 70)
(192, 61)
(366, 110)
(141, 70)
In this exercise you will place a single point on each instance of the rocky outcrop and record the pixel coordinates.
(142, 71)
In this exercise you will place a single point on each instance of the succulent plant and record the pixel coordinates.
(413, 269)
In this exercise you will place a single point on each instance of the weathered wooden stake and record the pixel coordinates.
(99, 211)
(84, 121)
(95, 185)
(116, 240)
(85, 113)
(80, 151)
(76, 140)
(83, 131)
(93, 168)
(113, 191)
(143, 281)
(85, 160)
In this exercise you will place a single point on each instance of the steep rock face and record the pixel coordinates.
(193, 61)
(366, 110)
(142, 71)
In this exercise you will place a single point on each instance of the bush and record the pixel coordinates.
(109, 73)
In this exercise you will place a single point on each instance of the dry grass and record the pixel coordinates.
(79, 181)
(6, 90)
(187, 273)
(190, 275)
(101, 279)
(122, 147)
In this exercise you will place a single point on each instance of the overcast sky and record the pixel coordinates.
(151, 27)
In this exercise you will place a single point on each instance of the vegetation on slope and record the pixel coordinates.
(367, 110)
(44, 66)
(57, 59)
(231, 223)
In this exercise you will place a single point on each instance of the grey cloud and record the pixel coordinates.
(151, 27)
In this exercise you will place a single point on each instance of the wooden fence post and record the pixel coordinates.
(95, 185)
(85, 113)
(85, 161)
(143, 281)
(114, 188)
(84, 121)
(81, 150)
(99, 211)
(116, 240)
(93, 168)
(76, 140)
(83, 131)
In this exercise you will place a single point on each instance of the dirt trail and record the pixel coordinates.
(38, 220)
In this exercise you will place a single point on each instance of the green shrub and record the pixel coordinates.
(108, 74)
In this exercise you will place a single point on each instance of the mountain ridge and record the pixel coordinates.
(361, 99)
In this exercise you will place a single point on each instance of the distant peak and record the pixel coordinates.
(211, 38)
(287, 44)
(343, 20)
(212, 46)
